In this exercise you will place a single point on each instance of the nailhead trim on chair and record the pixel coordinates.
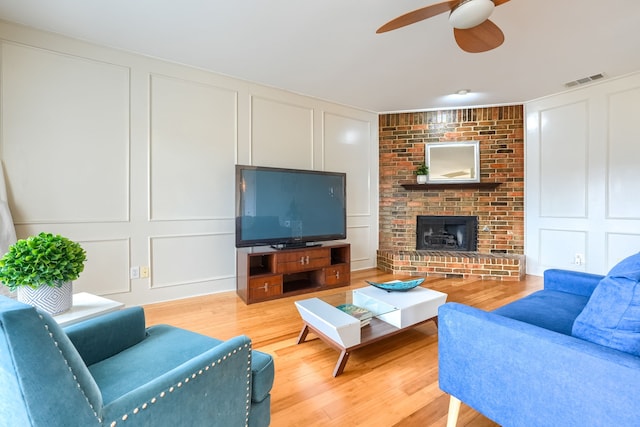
(171, 389)
(66, 362)
(248, 406)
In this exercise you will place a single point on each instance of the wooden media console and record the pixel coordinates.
(271, 274)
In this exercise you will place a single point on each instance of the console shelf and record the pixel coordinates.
(271, 274)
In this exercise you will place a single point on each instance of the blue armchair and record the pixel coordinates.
(568, 355)
(113, 371)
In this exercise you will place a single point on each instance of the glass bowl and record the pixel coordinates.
(397, 285)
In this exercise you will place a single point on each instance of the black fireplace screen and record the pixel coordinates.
(447, 233)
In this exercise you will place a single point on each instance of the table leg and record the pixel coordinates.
(303, 334)
(435, 320)
(342, 362)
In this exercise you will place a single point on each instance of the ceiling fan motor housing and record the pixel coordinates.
(470, 13)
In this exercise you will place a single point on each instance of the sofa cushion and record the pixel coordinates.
(552, 310)
(612, 314)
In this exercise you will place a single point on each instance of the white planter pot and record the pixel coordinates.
(422, 179)
(51, 299)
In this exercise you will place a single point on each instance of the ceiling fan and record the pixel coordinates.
(472, 29)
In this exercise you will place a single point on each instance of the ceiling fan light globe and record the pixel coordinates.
(470, 13)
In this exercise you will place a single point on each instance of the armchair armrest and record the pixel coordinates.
(573, 282)
(518, 374)
(101, 337)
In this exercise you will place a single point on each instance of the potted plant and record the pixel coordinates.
(421, 173)
(41, 269)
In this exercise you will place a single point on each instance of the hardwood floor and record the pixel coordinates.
(390, 383)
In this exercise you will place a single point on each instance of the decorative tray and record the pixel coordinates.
(397, 285)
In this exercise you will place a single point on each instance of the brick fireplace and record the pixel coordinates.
(499, 209)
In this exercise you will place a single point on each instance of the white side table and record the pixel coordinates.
(86, 306)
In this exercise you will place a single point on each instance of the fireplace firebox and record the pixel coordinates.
(447, 233)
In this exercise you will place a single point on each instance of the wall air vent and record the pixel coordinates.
(585, 80)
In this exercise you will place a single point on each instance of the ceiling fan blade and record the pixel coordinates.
(480, 38)
(418, 15)
(499, 2)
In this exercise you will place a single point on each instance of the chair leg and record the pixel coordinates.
(454, 410)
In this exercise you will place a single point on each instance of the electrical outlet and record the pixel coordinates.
(134, 273)
(578, 259)
(144, 272)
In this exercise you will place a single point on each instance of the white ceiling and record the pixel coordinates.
(329, 49)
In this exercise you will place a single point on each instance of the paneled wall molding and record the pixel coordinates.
(275, 124)
(582, 175)
(183, 259)
(66, 119)
(192, 149)
(98, 141)
(107, 268)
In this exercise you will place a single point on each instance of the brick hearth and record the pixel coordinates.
(453, 264)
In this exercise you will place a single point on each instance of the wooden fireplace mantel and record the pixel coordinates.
(451, 186)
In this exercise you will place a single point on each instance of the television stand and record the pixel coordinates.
(271, 274)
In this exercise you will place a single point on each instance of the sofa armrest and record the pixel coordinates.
(103, 336)
(212, 389)
(518, 374)
(573, 282)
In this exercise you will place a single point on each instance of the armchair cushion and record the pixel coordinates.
(611, 317)
(156, 355)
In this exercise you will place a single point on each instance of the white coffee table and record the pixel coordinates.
(86, 306)
(394, 312)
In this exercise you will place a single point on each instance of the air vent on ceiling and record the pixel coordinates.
(585, 80)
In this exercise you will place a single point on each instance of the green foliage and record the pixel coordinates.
(423, 169)
(42, 260)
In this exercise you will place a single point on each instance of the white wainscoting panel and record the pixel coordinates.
(558, 248)
(65, 135)
(347, 146)
(281, 134)
(183, 260)
(192, 150)
(361, 247)
(620, 246)
(563, 161)
(107, 268)
(601, 119)
(623, 166)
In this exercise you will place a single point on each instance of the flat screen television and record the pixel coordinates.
(286, 208)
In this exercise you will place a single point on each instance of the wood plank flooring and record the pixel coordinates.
(390, 383)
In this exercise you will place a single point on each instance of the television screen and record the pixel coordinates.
(289, 207)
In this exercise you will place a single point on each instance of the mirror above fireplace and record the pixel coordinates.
(453, 162)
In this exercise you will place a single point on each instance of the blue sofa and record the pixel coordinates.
(113, 371)
(568, 355)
